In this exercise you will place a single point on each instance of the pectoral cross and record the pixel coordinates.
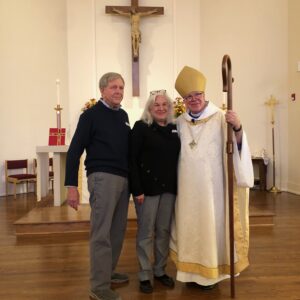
(135, 12)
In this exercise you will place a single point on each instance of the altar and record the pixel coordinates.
(59, 168)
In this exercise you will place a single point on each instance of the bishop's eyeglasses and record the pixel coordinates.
(190, 97)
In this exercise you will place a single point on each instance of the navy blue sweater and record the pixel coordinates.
(104, 134)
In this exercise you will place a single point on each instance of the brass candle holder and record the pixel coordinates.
(224, 101)
(58, 110)
(223, 107)
(272, 102)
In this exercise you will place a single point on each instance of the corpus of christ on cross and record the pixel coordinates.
(135, 12)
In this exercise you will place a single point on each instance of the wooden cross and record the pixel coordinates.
(135, 12)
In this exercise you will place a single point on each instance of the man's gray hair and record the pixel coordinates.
(107, 77)
(147, 117)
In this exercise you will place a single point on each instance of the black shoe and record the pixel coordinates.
(192, 284)
(165, 280)
(202, 287)
(208, 287)
(146, 287)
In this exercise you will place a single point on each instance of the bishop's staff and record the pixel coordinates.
(227, 87)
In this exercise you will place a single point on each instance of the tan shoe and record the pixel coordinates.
(119, 278)
(106, 294)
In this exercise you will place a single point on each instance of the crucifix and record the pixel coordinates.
(135, 12)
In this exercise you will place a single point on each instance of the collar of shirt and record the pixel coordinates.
(107, 105)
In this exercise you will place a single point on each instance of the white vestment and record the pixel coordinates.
(200, 236)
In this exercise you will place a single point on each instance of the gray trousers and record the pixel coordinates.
(109, 198)
(154, 220)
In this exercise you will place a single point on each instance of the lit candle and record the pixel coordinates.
(224, 98)
(57, 91)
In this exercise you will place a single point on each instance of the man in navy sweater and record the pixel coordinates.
(103, 131)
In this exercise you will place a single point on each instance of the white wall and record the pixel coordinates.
(100, 43)
(162, 51)
(33, 54)
(254, 34)
(75, 40)
(294, 106)
(81, 57)
(199, 33)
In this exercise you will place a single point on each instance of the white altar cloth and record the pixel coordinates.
(59, 167)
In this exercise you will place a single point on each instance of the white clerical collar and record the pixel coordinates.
(198, 115)
(107, 105)
(209, 110)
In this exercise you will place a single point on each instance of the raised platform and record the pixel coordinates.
(259, 217)
(53, 220)
(64, 219)
(56, 219)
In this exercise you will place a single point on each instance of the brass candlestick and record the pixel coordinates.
(223, 107)
(272, 102)
(58, 110)
(224, 101)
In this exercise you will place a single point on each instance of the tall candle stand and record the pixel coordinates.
(58, 110)
(272, 102)
(57, 135)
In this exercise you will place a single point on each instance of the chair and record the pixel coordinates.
(22, 176)
(51, 173)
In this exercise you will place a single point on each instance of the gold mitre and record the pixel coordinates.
(189, 80)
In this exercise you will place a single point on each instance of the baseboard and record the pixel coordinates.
(293, 188)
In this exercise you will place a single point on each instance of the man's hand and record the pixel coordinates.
(233, 119)
(140, 198)
(73, 197)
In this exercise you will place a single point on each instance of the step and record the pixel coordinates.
(63, 219)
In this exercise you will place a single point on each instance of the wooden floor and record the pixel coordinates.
(55, 267)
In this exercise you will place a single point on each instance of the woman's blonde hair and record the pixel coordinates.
(147, 117)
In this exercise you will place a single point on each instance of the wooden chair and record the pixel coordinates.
(22, 176)
(51, 173)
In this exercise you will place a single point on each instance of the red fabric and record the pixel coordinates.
(57, 136)
(17, 164)
(23, 176)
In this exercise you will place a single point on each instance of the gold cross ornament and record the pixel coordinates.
(272, 102)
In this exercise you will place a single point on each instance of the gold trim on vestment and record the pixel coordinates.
(207, 272)
(196, 265)
(241, 237)
(197, 122)
(241, 241)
